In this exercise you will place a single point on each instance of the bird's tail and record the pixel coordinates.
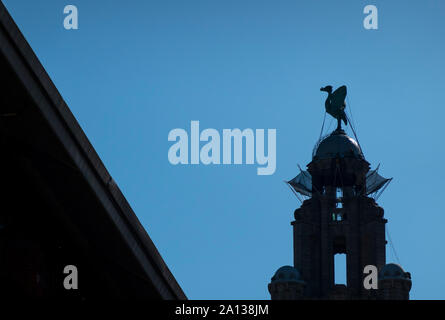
(345, 120)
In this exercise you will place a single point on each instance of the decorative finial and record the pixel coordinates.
(335, 104)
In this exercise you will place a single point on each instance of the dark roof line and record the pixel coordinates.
(21, 57)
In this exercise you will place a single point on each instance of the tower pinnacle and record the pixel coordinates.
(335, 104)
(339, 215)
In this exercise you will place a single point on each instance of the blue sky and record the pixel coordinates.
(135, 70)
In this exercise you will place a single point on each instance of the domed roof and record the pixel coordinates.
(287, 274)
(337, 145)
(393, 271)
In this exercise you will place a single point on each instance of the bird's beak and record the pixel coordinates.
(321, 89)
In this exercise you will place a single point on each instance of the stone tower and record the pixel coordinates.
(286, 284)
(339, 217)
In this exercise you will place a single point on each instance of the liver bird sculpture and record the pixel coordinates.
(335, 104)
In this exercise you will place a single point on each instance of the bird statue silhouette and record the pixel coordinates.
(335, 104)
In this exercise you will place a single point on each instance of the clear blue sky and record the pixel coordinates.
(137, 69)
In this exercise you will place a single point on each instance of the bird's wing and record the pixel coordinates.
(338, 98)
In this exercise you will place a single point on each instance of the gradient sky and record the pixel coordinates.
(135, 70)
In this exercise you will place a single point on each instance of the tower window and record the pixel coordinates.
(338, 215)
(339, 193)
(340, 268)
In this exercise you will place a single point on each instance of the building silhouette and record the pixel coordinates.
(60, 205)
(339, 215)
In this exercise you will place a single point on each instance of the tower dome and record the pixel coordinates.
(337, 145)
(393, 271)
(286, 284)
(394, 282)
(287, 274)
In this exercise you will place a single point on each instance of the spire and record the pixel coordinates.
(338, 215)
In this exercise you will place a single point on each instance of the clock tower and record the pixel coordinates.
(338, 215)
